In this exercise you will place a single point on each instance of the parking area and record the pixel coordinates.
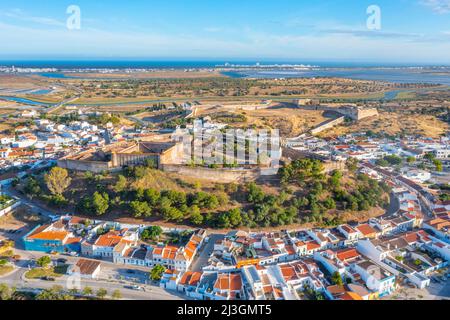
(124, 274)
(16, 224)
(439, 289)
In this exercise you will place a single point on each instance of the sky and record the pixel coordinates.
(416, 31)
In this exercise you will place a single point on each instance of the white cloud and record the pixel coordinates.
(341, 44)
(438, 6)
(18, 14)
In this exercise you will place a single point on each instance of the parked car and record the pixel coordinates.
(134, 287)
(138, 288)
(47, 278)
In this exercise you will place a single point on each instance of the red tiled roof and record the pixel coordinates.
(347, 254)
(366, 229)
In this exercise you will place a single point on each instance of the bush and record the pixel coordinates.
(151, 233)
(139, 209)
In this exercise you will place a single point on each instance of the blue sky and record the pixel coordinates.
(416, 31)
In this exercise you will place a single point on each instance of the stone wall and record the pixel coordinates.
(328, 125)
(217, 175)
(353, 112)
(80, 165)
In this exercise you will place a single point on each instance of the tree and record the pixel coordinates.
(32, 187)
(139, 209)
(352, 164)
(335, 179)
(255, 193)
(444, 197)
(100, 203)
(196, 217)
(152, 196)
(101, 293)
(224, 221)
(382, 163)
(5, 292)
(329, 203)
(151, 163)
(57, 180)
(116, 294)
(43, 261)
(393, 160)
(151, 233)
(337, 279)
(87, 291)
(172, 214)
(438, 164)
(429, 156)
(121, 184)
(157, 272)
(55, 293)
(410, 160)
(234, 215)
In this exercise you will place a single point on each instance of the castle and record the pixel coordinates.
(353, 112)
(116, 156)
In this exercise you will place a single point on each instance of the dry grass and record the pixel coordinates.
(4, 270)
(394, 123)
(157, 180)
(291, 122)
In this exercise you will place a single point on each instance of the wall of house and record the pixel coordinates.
(10, 208)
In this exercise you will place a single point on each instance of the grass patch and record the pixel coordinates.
(6, 254)
(38, 273)
(5, 270)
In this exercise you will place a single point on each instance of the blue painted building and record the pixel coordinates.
(51, 238)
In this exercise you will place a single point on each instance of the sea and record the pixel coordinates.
(396, 73)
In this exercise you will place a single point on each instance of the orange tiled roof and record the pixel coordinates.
(73, 240)
(191, 278)
(312, 245)
(228, 282)
(348, 295)
(288, 272)
(347, 254)
(110, 239)
(290, 249)
(50, 235)
(366, 229)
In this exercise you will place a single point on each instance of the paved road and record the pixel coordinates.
(394, 206)
(205, 252)
(18, 280)
(8, 190)
(154, 293)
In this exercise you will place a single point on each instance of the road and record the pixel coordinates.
(205, 252)
(394, 206)
(8, 190)
(17, 279)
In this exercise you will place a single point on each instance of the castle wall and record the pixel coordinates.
(79, 165)
(328, 125)
(216, 175)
